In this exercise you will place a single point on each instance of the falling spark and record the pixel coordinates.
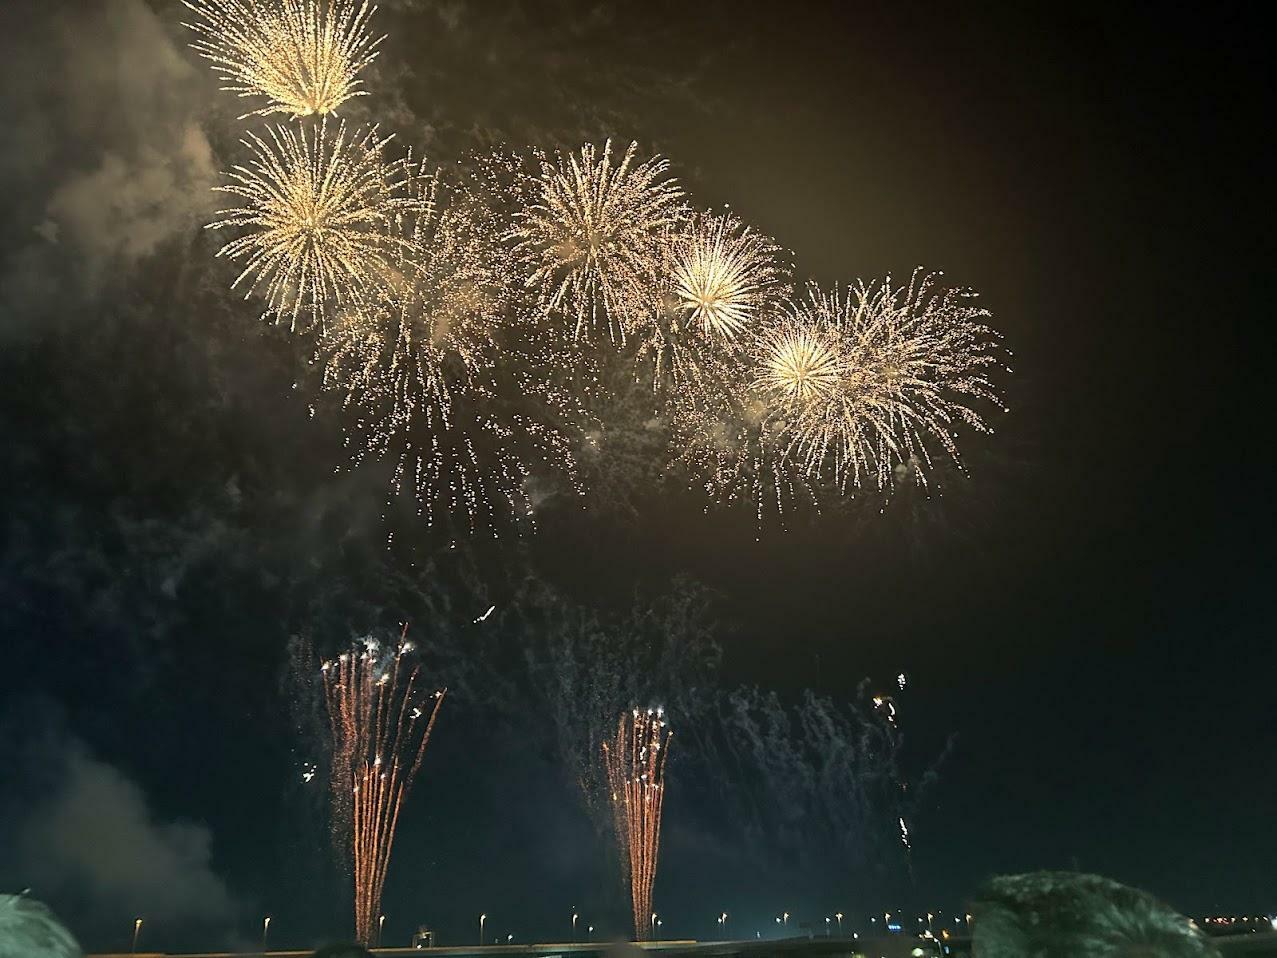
(634, 760)
(379, 739)
(322, 218)
(591, 231)
(418, 368)
(484, 617)
(731, 439)
(301, 56)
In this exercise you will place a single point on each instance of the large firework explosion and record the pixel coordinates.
(908, 365)
(595, 224)
(321, 220)
(301, 56)
(635, 761)
(462, 332)
(381, 722)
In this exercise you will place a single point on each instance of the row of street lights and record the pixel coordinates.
(782, 920)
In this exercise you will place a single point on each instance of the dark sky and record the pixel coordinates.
(1083, 613)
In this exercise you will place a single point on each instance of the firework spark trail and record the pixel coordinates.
(731, 439)
(379, 738)
(635, 762)
(302, 56)
(818, 777)
(594, 225)
(323, 217)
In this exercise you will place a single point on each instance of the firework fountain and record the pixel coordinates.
(381, 723)
(635, 762)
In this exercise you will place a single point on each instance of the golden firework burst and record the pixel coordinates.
(323, 216)
(798, 361)
(301, 56)
(593, 230)
(914, 366)
(724, 275)
(704, 290)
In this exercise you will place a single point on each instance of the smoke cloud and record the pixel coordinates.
(82, 835)
(106, 158)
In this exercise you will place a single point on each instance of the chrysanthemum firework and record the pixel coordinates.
(725, 275)
(301, 56)
(908, 367)
(594, 226)
(323, 216)
(702, 296)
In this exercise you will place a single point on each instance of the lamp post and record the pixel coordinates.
(574, 918)
(930, 931)
(265, 931)
(838, 915)
(137, 928)
(380, 922)
(827, 921)
(590, 931)
(482, 919)
(722, 924)
(653, 924)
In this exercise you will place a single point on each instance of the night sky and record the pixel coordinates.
(1080, 617)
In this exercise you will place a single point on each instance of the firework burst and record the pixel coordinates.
(593, 229)
(301, 56)
(419, 367)
(703, 292)
(908, 366)
(433, 333)
(725, 274)
(322, 218)
(635, 761)
(798, 363)
(381, 722)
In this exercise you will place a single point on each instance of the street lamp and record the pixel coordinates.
(380, 922)
(827, 921)
(722, 923)
(838, 915)
(653, 924)
(137, 927)
(574, 918)
(482, 919)
(930, 932)
(265, 931)
(590, 930)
